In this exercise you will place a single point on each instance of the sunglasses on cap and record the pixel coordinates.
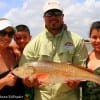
(53, 13)
(4, 33)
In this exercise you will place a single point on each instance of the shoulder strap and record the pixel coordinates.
(4, 74)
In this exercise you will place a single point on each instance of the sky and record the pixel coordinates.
(78, 14)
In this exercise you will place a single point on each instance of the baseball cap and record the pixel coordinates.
(4, 23)
(52, 4)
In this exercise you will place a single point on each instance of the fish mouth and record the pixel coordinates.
(24, 71)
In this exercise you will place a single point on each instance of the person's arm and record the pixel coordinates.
(81, 54)
(28, 55)
(8, 80)
(2, 83)
(80, 57)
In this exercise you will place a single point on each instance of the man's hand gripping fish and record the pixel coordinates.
(55, 72)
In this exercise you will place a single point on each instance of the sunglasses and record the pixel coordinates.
(4, 33)
(53, 13)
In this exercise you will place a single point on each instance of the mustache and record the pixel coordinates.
(54, 19)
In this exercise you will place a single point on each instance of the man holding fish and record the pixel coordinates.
(55, 44)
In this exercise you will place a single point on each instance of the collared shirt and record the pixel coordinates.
(64, 47)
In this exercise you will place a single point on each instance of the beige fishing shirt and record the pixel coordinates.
(64, 47)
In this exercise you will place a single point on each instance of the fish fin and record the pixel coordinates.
(46, 78)
(42, 77)
(33, 76)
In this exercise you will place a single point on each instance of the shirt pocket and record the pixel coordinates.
(67, 55)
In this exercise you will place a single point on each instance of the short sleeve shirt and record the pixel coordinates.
(64, 47)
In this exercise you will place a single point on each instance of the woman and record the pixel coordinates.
(10, 86)
(91, 90)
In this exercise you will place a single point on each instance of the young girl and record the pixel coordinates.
(91, 90)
